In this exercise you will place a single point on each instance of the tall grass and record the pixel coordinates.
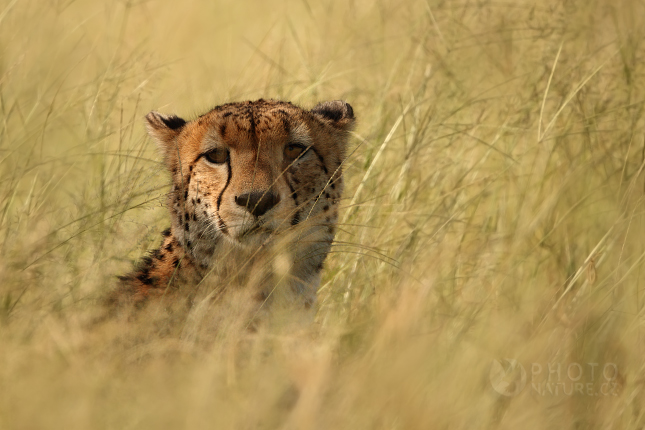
(494, 210)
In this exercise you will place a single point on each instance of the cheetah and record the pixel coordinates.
(256, 186)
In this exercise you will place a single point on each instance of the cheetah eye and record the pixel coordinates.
(294, 150)
(217, 156)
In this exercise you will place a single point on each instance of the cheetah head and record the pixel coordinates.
(247, 172)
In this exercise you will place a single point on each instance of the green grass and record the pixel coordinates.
(494, 209)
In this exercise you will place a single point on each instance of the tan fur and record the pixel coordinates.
(215, 231)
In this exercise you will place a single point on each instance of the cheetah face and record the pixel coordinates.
(248, 172)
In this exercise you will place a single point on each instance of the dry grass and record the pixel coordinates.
(494, 209)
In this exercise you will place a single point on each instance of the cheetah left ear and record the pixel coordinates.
(164, 128)
(337, 112)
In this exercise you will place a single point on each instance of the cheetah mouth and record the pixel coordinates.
(256, 230)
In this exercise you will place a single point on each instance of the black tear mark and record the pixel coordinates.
(322, 160)
(220, 221)
(228, 181)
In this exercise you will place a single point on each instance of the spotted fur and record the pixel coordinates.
(226, 216)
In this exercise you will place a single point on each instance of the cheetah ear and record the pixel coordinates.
(339, 113)
(164, 129)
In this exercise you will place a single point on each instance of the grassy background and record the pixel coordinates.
(494, 209)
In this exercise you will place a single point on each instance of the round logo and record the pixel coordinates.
(507, 377)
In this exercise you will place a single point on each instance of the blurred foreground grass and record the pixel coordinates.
(494, 209)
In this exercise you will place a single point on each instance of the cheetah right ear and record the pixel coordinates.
(337, 112)
(164, 129)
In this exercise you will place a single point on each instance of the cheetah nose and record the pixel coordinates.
(258, 202)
